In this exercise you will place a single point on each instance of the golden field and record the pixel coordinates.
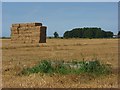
(15, 57)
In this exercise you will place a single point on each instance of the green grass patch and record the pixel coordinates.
(74, 67)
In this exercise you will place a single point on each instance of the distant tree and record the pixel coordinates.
(88, 33)
(109, 34)
(56, 35)
(98, 34)
(67, 34)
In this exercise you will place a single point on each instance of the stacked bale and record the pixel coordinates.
(28, 33)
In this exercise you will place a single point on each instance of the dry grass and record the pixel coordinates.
(19, 56)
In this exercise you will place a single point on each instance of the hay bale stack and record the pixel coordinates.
(28, 33)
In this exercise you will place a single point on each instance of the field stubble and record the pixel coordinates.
(15, 57)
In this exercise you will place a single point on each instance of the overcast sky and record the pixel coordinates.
(62, 16)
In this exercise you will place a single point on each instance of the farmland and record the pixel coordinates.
(15, 57)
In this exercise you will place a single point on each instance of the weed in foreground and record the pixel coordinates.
(74, 67)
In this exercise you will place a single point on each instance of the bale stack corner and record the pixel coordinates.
(28, 33)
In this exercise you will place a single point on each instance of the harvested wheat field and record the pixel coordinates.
(15, 57)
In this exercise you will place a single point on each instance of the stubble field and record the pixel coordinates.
(15, 57)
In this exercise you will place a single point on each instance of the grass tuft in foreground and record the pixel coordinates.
(74, 67)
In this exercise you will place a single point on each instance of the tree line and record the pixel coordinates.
(88, 33)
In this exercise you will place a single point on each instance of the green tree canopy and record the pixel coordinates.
(56, 35)
(88, 33)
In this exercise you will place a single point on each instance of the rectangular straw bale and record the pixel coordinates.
(15, 25)
(23, 28)
(29, 27)
(15, 31)
(14, 28)
(37, 34)
(37, 31)
(35, 38)
(21, 32)
(37, 27)
(34, 24)
(23, 24)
